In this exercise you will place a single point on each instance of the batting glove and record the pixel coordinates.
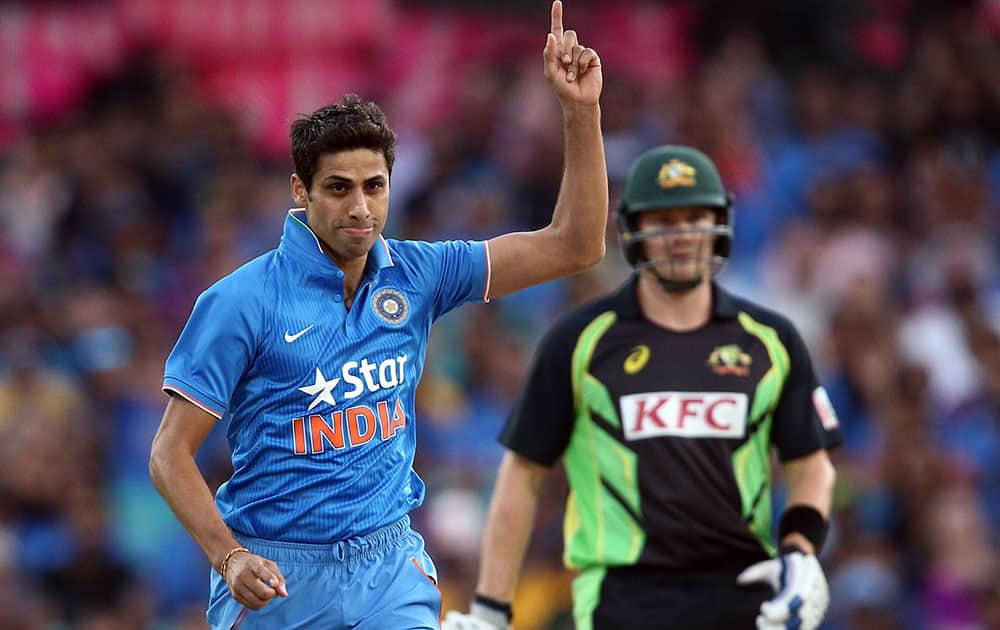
(802, 595)
(479, 618)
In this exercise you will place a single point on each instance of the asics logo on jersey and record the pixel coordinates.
(360, 376)
(637, 359)
(290, 338)
(684, 414)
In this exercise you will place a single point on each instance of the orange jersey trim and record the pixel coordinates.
(194, 401)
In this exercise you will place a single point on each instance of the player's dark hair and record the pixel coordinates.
(351, 123)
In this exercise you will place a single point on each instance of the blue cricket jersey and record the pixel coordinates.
(319, 399)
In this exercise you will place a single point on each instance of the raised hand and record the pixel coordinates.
(573, 70)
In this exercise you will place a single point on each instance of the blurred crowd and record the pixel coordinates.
(860, 140)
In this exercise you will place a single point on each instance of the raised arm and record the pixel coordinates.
(574, 240)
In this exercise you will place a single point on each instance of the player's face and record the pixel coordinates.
(683, 252)
(348, 202)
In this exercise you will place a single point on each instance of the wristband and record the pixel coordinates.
(805, 520)
(495, 607)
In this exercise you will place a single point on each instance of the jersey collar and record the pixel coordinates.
(300, 241)
(626, 301)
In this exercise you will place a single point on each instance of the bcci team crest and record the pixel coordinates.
(391, 306)
(730, 360)
(676, 173)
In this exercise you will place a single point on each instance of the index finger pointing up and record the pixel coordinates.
(557, 25)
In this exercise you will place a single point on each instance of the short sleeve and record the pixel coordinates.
(214, 350)
(541, 424)
(458, 272)
(804, 421)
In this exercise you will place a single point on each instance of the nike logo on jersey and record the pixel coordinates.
(291, 338)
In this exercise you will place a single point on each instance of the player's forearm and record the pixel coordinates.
(581, 213)
(810, 483)
(504, 545)
(508, 528)
(178, 480)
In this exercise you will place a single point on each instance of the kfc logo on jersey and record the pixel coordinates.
(684, 414)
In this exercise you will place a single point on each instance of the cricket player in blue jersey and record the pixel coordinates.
(312, 353)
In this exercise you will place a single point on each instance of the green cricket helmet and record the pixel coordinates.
(673, 176)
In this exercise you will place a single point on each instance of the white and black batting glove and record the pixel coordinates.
(484, 614)
(802, 595)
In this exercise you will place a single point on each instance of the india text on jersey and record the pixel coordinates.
(313, 434)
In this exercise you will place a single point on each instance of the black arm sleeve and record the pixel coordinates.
(804, 421)
(540, 426)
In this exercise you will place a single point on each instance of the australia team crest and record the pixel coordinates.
(730, 360)
(391, 306)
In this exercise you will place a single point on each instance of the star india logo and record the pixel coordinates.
(676, 173)
(322, 389)
(391, 306)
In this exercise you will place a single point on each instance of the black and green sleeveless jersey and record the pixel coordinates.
(666, 436)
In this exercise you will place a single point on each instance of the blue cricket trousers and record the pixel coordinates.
(384, 580)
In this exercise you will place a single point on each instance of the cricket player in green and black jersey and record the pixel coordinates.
(664, 400)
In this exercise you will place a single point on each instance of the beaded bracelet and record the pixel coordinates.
(225, 561)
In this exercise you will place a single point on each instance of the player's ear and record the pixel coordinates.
(299, 192)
